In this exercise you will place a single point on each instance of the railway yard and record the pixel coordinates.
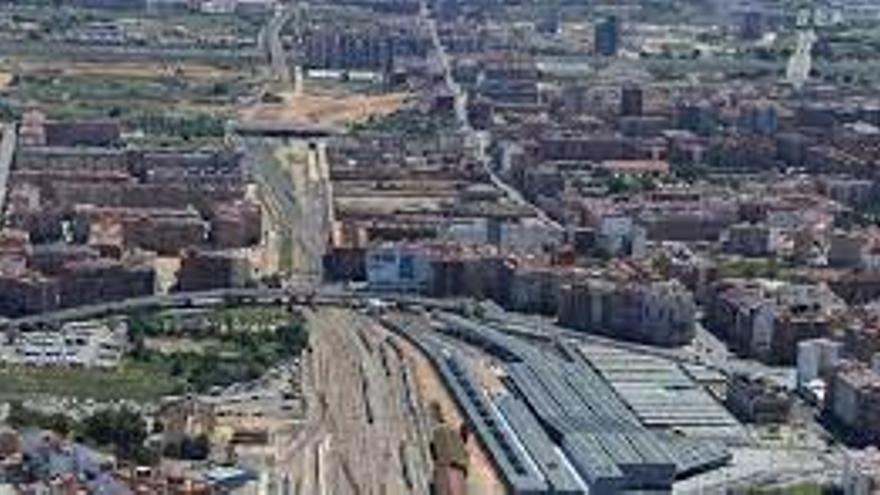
(370, 390)
(524, 414)
(451, 247)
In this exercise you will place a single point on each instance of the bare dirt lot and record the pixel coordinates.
(482, 478)
(5, 78)
(334, 107)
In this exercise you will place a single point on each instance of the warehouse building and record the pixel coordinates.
(560, 427)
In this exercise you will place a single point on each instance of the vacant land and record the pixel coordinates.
(172, 355)
(131, 381)
(333, 107)
(171, 103)
(147, 70)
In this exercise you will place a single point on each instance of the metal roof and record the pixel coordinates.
(582, 411)
(659, 391)
(558, 473)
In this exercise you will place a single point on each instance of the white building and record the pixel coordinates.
(237, 6)
(398, 268)
(82, 344)
(815, 358)
(522, 234)
(219, 6)
(620, 234)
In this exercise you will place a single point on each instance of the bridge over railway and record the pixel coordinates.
(223, 297)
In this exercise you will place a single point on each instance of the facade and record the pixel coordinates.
(620, 234)
(534, 290)
(104, 280)
(202, 270)
(478, 275)
(816, 360)
(235, 225)
(759, 118)
(631, 104)
(766, 319)
(862, 339)
(659, 313)
(853, 402)
(14, 252)
(165, 231)
(757, 401)
(846, 249)
(751, 240)
(28, 294)
(398, 268)
(606, 39)
(861, 472)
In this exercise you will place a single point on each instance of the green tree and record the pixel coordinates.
(124, 430)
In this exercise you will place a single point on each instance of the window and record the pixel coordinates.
(407, 267)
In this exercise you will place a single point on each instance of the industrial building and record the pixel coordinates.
(559, 426)
(97, 344)
(663, 394)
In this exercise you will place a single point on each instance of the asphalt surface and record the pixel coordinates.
(7, 155)
(478, 140)
(271, 40)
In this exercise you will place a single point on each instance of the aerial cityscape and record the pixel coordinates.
(439, 247)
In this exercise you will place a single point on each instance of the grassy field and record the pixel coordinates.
(166, 101)
(800, 489)
(131, 381)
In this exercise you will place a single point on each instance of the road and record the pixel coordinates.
(324, 294)
(311, 180)
(798, 69)
(292, 175)
(7, 154)
(270, 40)
(478, 140)
(278, 198)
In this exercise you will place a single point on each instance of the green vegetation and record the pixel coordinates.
(173, 102)
(240, 344)
(409, 122)
(53, 20)
(801, 489)
(627, 184)
(750, 268)
(243, 343)
(207, 324)
(21, 418)
(132, 380)
(133, 96)
(121, 431)
(184, 126)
